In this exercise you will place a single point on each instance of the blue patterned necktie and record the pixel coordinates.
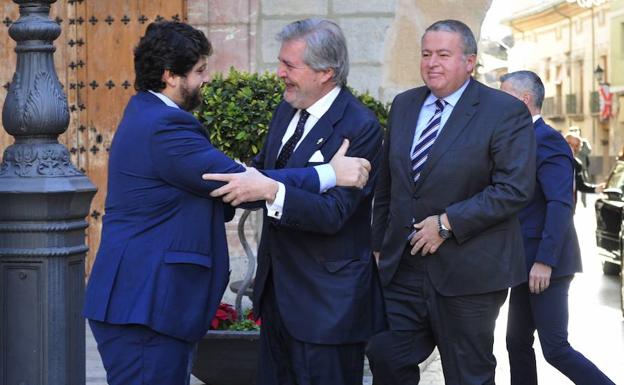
(290, 145)
(426, 139)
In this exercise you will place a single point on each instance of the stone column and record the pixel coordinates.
(402, 50)
(43, 202)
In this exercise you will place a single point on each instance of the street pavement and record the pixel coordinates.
(596, 327)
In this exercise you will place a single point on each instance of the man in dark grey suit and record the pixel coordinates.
(458, 164)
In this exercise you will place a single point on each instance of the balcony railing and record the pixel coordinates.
(552, 108)
(574, 105)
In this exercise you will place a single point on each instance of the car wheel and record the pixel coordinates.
(609, 268)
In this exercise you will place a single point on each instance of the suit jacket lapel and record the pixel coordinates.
(318, 135)
(311, 143)
(460, 117)
(282, 120)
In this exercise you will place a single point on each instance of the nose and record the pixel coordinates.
(281, 70)
(432, 61)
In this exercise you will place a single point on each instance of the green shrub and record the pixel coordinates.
(236, 110)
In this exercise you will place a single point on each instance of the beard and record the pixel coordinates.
(191, 99)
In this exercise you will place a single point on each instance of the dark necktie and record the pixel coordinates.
(290, 145)
(426, 139)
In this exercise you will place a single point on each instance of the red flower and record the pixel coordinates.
(251, 316)
(224, 317)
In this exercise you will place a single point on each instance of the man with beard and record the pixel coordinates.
(162, 265)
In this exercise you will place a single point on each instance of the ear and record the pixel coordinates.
(326, 75)
(471, 62)
(170, 79)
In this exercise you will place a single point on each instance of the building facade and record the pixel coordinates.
(575, 51)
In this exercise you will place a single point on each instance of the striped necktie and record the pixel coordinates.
(290, 145)
(426, 139)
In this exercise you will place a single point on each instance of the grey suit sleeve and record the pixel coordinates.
(512, 150)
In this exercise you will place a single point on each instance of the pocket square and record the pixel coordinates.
(317, 157)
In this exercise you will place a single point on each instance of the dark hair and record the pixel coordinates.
(167, 46)
(326, 46)
(456, 26)
(526, 81)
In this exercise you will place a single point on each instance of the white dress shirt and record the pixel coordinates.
(428, 110)
(327, 176)
(165, 99)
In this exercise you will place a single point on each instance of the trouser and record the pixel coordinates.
(462, 327)
(283, 360)
(137, 355)
(547, 313)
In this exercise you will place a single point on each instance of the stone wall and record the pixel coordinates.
(383, 35)
(365, 24)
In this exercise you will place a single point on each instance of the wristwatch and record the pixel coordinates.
(444, 232)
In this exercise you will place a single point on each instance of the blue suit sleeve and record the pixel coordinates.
(304, 178)
(182, 154)
(555, 174)
(328, 212)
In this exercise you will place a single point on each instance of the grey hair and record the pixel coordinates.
(326, 46)
(456, 26)
(526, 81)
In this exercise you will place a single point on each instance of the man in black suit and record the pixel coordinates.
(457, 166)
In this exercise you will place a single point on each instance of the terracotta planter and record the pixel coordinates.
(227, 357)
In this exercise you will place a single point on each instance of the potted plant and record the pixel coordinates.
(227, 355)
(236, 111)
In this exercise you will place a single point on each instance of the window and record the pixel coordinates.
(547, 70)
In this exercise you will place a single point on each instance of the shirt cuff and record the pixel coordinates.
(274, 210)
(327, 176)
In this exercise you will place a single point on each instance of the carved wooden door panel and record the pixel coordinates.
(94, 62)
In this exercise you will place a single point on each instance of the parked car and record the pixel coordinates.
(609, 219)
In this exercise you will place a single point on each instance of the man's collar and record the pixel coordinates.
(536, 117)
(452, 99)
(164, 99)
(320, 107)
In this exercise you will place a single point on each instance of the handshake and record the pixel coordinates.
(251, 185)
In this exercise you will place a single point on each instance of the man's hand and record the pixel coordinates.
(426, 239)
(247, 186)
(350, 172)
(539, 277)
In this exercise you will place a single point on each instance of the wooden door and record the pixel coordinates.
(94, 62)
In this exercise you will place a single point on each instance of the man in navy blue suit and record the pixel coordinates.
(316, 287)
(163, 264)
(552, 254)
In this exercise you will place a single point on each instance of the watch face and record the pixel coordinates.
(444, 233)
